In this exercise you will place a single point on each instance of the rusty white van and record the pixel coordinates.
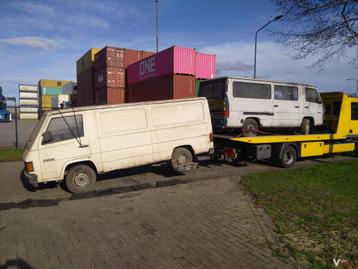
(77, 144)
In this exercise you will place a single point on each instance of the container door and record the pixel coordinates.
(67, 135)
(313, 105)
(286, 106)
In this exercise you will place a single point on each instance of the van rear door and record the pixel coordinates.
(215, 92)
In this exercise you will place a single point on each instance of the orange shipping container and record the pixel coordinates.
(110, 96)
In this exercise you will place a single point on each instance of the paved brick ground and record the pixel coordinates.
(204, 224)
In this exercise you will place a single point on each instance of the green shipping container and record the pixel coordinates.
(51, 91)
(197, 86)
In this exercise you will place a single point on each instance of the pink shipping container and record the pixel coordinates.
(174, 60)
(205, 66)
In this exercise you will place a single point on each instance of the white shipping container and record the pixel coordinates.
(27, 88)
(30, 95)
(29, 116)
(28, 109)
(30, 102)
(57, 100)
(69, 88)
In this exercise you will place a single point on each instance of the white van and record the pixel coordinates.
(250, 104)
(77, 144)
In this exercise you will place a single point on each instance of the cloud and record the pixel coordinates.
(233, 66)
(33, 42)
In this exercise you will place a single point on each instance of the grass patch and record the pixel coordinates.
(315, 210)
(9, 155)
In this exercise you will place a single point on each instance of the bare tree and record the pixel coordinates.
(326, 29)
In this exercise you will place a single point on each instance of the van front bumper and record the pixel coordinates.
(31, 178)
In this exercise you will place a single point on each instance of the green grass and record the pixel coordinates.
(315, 210)
(9, 155)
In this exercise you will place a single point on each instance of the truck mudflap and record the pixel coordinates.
(31, 178)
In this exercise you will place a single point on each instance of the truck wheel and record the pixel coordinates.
(288, 158)
(181, 159)
(305, 126)
(250, 128)
(80, 179)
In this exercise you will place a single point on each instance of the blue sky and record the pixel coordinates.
(43, 39)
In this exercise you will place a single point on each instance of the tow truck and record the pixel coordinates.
(5, 116)
(340, 134)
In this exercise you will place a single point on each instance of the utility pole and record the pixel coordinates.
(157, 24)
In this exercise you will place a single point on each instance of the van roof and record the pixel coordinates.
(99, 107)
(263, 80)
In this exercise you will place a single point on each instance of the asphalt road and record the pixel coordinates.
(7, 133)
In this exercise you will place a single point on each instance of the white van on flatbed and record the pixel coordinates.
(250, 104)
(76, 144)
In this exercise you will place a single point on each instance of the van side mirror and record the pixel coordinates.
(47, 137)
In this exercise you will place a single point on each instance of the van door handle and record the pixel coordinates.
(307, 107)
(48, 160)
(276, 106)
(297, 106)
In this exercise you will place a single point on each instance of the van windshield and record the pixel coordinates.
(35, 132)
(212, 89)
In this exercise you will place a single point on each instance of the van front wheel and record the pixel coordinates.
(305, 126)
(181, 159)
(250, 128)
(80, 179)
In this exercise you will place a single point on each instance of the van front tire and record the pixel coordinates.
(80, 179)
(305, 126)
(250, 128)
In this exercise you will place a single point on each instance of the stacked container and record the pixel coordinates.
(169, 74)
(110, 73)
(49, 88)
(60, 101)
(85, 78)
(29, 101)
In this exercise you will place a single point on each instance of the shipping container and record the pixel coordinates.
(118, 57)
(28, 88)
(70, 88)
(86, 61)
(85, 88)
(110, 96)
(46, 101)
(57, 100)
(74, 100)
(29, 109)
(205, 65)
(197, 86)
(162, 88)
(28, 95)
(174, 60)
(29, 102)
(49, 83)
(110, 77)
(50, 91)
(29, 116)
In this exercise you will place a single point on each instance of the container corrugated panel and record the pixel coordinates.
(29, 109)
(109, 57)
(28, 88)
(29, 116)
(85, 88)
(57, 100)
(29, 102)
(162, 88)
(205, 65)
(110, 77)
(46, 101)
(50, 91)
(86, 61)
(28, 95)
(110, 96)
(69, 88)
(174, 60)
(50, 83)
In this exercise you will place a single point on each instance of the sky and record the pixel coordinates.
(42, 39)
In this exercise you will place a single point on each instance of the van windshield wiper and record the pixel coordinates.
(78, 139)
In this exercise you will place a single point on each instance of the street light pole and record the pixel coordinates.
(354, 79)
(274, 19)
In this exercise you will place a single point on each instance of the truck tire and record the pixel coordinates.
(288, 157)
(181, 158)
(305, 126)
(80, 179)
(250, 128)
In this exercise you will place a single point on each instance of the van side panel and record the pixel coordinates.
(179, 124)
(124, 137)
